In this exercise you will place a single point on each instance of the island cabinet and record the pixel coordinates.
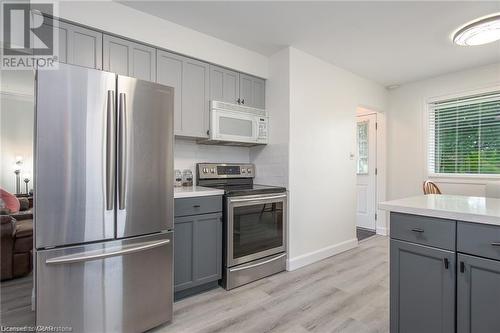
(197, 244)
(444, 275)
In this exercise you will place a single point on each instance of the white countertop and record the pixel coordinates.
(195, 191)
(454, 207)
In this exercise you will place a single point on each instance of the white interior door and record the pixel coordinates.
(366, 171)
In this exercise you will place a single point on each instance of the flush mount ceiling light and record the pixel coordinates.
(480, 31)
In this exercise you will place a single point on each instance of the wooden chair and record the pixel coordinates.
(431, 188)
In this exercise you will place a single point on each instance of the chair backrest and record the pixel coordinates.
(431, 188)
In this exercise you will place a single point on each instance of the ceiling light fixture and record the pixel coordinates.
(478, 32)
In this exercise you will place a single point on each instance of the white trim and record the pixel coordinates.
(463, 93)
(315, 256)
(381, 231)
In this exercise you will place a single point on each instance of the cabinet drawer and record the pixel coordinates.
(424, 230)
(479, 239)
(198, 205)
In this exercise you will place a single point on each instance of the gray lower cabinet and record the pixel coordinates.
(128, 58)
(197, 245)
(422, 288)
(252, 91)
(478, 295)
(224, 85)
(76, 45)
(191, 81)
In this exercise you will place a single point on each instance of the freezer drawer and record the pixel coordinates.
(115, 286)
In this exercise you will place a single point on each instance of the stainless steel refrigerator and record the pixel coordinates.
(103, 201)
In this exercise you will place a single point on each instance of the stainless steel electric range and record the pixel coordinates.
(255, 222)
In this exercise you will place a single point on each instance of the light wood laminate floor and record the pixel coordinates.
(345, 293)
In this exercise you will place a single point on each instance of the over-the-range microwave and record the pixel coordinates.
(237, 125)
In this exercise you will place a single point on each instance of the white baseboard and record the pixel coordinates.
(312, 257)
(381, 231)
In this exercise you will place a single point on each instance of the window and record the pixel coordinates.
(362, 131)
(464, 135)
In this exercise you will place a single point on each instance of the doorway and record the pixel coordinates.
(366, 175)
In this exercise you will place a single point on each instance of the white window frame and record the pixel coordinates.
(453, 177)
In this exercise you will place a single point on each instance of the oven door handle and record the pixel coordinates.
(257, 264)
(257, 198)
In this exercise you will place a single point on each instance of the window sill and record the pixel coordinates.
(463, 179)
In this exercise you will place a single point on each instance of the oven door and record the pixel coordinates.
(256, 227)
(233, 126)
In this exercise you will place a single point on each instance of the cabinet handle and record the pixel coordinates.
(417, 230)
(446, 263)
(238, 101)
(495, 244)
(462, 267)
(196, 206)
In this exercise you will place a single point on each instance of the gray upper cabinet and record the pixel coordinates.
(224, 85)
(128, 58)
(478, 295)
(190, 79)
(77, 45)
(422, 289)
(252, 91)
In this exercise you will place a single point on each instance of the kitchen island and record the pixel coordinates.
(444, 264)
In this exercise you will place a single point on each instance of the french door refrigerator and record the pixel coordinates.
(103, 201)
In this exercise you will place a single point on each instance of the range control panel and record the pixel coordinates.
(224, 170)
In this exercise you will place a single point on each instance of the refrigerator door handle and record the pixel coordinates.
(122, 150)
(102, 254)
(110, 150)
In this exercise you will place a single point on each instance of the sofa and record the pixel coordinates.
(16, 242)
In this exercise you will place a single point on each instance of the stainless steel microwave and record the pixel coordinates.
(233, 124)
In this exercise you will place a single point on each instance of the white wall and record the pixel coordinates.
(405, 121)
(322, 181)
(271, 161)
(187, 153)
(116, 18)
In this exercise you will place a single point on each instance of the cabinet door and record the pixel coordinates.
(478, 295)
(207, 248)
(169, 72)
(224, 85)
(128, 58)
(422, 289)
(197, 250)
(190, 79)
(77, 45)
(252, 91)
(195, 98)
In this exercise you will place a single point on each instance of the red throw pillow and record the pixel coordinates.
(9, 201)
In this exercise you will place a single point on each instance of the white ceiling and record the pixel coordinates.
(388, 42)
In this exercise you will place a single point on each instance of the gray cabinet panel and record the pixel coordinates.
(197, 250)
(224, 85)
(77, 45)
(169, 72)
(190, 79)
(479, 239)
(422, 289)
(195, 98)
(128, 58)
(197, 205)
(478, 295)
(424, 230)
(183, 253)
(252, 91)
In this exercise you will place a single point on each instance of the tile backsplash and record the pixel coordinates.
(187, 153)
